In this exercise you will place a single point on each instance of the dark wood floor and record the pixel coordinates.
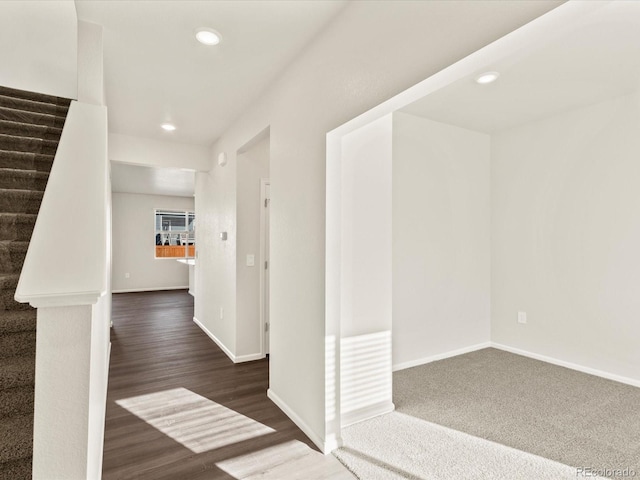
(156, 347)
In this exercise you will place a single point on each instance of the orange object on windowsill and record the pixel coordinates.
(174, 251)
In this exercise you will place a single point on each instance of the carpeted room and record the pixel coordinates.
(511, 227)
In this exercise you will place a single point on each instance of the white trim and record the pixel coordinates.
(215, 340)
(263, 186)
(572, 366)
(152, 289)
(60, 300)
(325, 446)
(248, 358)
(331, 443)
(441, 356)
(366, 413)
(108, 361)
(239, 359)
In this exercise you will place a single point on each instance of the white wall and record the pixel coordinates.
(90, 63)
(348, 69)
(366, 273)
(252, 166)
(134, 244)
(565, 237)
(441, 239)
(215, 270)
(38, 46)
(157, 153)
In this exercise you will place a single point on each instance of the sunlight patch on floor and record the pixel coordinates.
(399, 446)
(192, 420)
(292, 460)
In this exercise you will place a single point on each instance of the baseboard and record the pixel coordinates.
(366, 413)
(215, 339)
(440, 356)
(223, 347)
(249, 358)
(572, 366)
(154, 289)
(325, 447)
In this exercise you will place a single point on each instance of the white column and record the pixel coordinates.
(365, 379)
(61, 422)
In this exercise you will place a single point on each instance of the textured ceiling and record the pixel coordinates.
(155, 70)
(592, 60)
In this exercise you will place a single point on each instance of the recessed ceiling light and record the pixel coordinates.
(487, 77)
(208, 36)
(168, 127)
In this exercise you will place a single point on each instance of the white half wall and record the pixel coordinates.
(134, 244)
(565, 237)
(253, 165)
(38, 46)
(441, 239)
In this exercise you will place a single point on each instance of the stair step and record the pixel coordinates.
(16, 401)
(16, 226)
(16, 470)
(29, 130)
(20, 201)
(14, 321)
(17, 372)
(16, 438)
(23, 179)
(37, 97)
(12, 254)
(28, 144)
(33, 118)
(32, 106)
(26, 161)
(8, 284)
(18, 344)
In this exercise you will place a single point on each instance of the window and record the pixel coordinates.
(175, 234)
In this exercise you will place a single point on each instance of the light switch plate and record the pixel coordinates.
(251, 260)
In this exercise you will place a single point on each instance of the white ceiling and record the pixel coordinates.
(127, 178)
(595, 59)
(156, 71)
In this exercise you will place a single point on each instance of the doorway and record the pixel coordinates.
(252, 248)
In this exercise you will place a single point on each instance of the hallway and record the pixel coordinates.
(177, 407)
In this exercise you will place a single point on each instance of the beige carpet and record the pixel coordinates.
(504, 409)
(399, 446)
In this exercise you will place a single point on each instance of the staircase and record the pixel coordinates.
(30, 129)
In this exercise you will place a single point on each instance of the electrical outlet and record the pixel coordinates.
(522, 317)
(127, 275)
(221, 313)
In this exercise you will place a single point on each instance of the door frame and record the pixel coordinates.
(264, 182)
